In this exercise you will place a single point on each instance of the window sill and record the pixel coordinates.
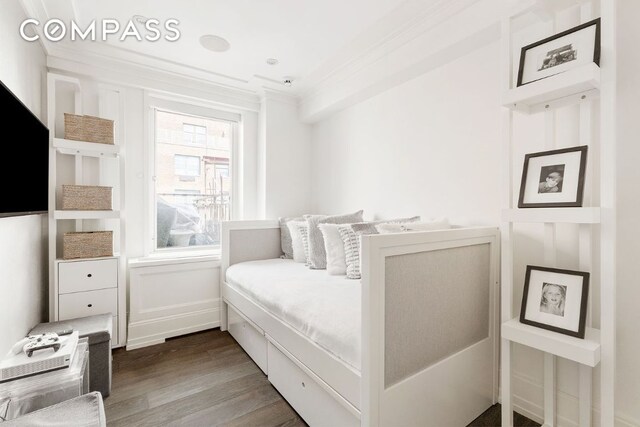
(177, 257)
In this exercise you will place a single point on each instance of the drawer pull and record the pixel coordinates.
(303, 386)
(89, 275)
(89, 305)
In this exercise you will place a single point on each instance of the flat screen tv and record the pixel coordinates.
(24, 174)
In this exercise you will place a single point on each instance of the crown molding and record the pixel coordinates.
(269, 94)
(36, 10)
(432, 34)
(125, 73)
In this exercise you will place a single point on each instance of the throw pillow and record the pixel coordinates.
(351, 239)
(351, 242)
(296, 229)
(285, 236)
(334, 247)
(317, 253)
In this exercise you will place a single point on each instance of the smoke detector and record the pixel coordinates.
(272, 61)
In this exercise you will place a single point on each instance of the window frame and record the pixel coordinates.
(161, 102)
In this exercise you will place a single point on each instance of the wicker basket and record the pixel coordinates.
(87, 198)
(88, 128)
(94, 244)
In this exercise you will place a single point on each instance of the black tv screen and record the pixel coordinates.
(24, 175)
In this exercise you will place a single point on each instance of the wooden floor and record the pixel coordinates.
(206, 379)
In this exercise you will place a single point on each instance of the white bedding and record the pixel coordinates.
(324, 308)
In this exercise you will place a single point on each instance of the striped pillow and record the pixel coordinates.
(350, 234)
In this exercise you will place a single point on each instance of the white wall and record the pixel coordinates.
(428, 147)
(22, 239)
(284, 174)
(628, 198)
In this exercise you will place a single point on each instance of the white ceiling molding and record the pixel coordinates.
(441, 34)
(279, 96)
(125, 62)
(35, 9)
(127, 74)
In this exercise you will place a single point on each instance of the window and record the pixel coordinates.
(193, 179)
(187, 165)
(194, 134)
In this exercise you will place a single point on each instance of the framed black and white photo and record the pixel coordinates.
(553, 178)
(556, 54)
(556, 300)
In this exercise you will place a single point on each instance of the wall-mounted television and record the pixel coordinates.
(24, 174)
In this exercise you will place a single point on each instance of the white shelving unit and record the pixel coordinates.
(584, 87)
(85, 286)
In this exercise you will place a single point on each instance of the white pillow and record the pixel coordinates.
(334, 247)
(436, 224)
(297, 228)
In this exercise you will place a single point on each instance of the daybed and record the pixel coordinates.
(413, 343)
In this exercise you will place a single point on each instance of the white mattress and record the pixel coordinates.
(324, 308)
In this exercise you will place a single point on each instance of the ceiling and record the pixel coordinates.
(303, 35)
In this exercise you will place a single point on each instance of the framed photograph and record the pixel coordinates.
(572, 48)
(555, 299)
(553, 179)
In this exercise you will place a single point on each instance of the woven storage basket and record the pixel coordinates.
(88, 128)
(87, 198)
(93, 244)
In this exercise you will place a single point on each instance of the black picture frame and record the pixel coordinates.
(583, 301)
(596, 51)
(580, 183)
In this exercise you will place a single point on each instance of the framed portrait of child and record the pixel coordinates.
(556, 300)
(553, 179)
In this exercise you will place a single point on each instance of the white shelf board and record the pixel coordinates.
(536, 95)
(590, 215)
(83, 148)
(59, 214)
(61, 260)
(585, 351)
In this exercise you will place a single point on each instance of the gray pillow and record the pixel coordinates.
(317, 253)
(285, 236)
(350, 235)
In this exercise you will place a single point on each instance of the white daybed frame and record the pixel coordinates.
(441, 370)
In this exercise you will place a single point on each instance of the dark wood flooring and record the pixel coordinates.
(206, 379)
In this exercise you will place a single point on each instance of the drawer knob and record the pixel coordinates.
(303, 386)
(89, 305)
(89, 275)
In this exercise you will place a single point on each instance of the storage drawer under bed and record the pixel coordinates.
(249, 336)
(314, 404)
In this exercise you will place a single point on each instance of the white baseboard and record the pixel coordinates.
(534, 410)
(149, 332)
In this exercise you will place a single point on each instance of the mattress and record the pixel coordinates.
(324, 308)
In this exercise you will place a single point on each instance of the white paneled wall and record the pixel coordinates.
(167, 299)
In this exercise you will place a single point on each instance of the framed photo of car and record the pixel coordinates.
(553, 179)
(556, 300)
(559, 53)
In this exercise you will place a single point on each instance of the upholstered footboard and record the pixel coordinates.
(430, 327)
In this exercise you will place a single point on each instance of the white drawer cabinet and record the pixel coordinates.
(88, 287)
(81, 304)
(80, 276)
